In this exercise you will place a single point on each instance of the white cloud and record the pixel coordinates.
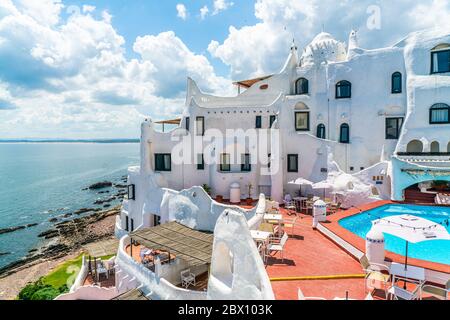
(204, 12)
(182, 11)
(262, 48)
(88, 8)
(72, 79)
(221, 5)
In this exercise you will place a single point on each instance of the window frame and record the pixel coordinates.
(434, 108)
(305, 82)
(131, 192)
(341, 84)
(188, 124)
(258, 124)
(289, 169)
(156, 162)
(246, 167)
(308, 121)
(202, 120)
(394, 76)
(221, 166)
(272, 120)
(320, 126)
(399, 127)
(433, 52)
(341, 140)
(200, 164)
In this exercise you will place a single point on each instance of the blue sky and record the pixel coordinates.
(97, 68)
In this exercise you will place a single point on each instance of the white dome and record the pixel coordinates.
(324, 48)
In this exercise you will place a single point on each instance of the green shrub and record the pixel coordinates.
(46, 293)
(27, 292)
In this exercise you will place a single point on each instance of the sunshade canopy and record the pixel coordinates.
(195, 247)
(103, 248)
(322, 185)
(301, 182)
(411, 228)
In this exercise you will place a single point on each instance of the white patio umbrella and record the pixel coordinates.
(412, 229)
(325, 185)
(301, 182)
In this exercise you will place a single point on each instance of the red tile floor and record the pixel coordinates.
(309, 253)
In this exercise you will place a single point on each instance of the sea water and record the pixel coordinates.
(41, 181)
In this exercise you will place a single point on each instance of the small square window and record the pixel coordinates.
(258, 122)
(225, 162)
(200, 162)
(163, 162)
(246, 165)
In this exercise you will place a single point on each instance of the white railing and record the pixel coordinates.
(79, 281)
(161, 288)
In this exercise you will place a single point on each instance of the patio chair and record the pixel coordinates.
(290, 207)
(277, 245)
(437, 292)
(334, 208)
(397, 293)
(187, 278)
(301, 296)
(262, 252)
(375, 273)
(290, 224)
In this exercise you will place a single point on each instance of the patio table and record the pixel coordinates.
(260, 236)
(397, 270)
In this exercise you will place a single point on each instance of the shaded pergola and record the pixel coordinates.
(250, 82)
(169, 122)
(98, 250)
(193, 246)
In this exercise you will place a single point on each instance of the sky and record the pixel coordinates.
(97, 68)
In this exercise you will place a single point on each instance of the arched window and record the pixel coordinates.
(396, 82)
(302, 86)
(440, 113)
(440, 59)
(321, 131)
(434, 148)
(415, 146)
(344, 136)
(343, 90)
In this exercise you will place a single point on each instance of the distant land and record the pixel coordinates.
(69, 140)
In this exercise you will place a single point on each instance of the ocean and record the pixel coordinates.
(41, 181)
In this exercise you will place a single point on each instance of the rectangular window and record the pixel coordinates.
(292, 163)
(440, 61)
(272, 120)
(302, 121)
(188, 123)
(132, 225)
(127, 223)
(246, 165)
(200, 126)
(225, 163)
(131, 192)
(270, 160)
(258, 122)
(440, 114)
(393, 128)
(200, 162)
(156, 220)
(163, 162)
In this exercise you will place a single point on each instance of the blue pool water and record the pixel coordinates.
(434, 251)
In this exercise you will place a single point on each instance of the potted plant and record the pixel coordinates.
(207, 189)
(249, 200)
(219, 198)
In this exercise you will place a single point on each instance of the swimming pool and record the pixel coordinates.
(434, 251)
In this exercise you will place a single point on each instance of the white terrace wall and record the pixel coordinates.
(237, 270)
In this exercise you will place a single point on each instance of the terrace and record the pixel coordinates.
(171, 249)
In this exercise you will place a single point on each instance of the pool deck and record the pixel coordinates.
(307, 254)
(333, 225)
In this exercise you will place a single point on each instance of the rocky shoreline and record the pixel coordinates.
(67, 237)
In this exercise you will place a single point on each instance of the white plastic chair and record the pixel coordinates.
(187, 279)
(278, 246)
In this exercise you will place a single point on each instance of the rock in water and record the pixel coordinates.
(12, 229)
(101, 185)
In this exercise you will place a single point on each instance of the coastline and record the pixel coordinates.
(71, 237)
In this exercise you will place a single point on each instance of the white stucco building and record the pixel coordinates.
(370, 122)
